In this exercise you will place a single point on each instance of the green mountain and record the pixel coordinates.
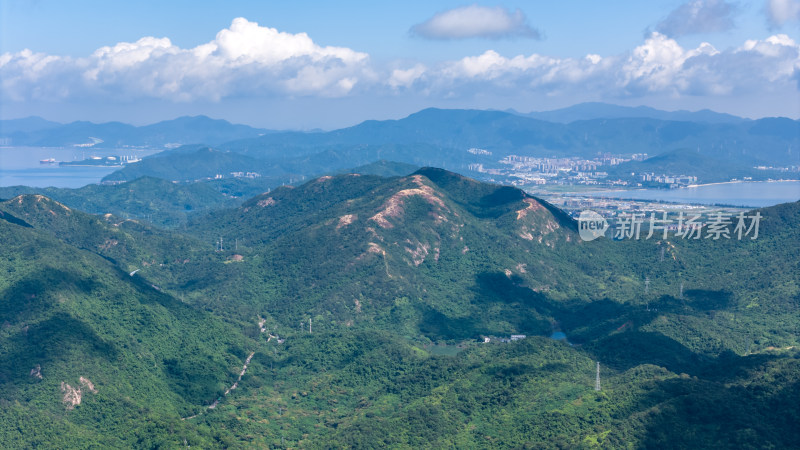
(171, 203)
(126, 242)
(384, 168)
(284, 166)
(92, 355)
(344, 249)
(365, 302)
(464, 259)
(205, 163)
(154, 200)
(691, 162)
(361, 254)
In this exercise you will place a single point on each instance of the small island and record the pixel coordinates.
(99, 161)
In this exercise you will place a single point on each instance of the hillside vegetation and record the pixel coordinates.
(352, 311)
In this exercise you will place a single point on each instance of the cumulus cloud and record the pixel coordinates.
(476, 21)
(26, 74)
(406, 77)
(661, 65)
(780, 12)
(242, 59)
(658, 66)
(248, 60)
(698, 16)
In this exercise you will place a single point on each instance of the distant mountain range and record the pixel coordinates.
(597, 110)
(17, 127)
(443, 138)
(435, 137)
(35, 131)
(770, 140)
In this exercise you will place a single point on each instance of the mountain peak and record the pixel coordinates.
(36, 202)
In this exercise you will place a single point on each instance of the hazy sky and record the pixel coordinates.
(307, 64)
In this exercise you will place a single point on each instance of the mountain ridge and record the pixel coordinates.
(600, 110)
(181, 130)
(405, 278)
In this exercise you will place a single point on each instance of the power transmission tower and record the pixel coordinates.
(309, 325)
(662, 254)
(646, 285)
(597, 378)
(680, 296)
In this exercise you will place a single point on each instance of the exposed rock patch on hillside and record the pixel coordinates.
(393, 207)
(72, 396)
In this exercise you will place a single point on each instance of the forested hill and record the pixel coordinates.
(473, 258)
(170, 204)
(353, 311)
(91, 355)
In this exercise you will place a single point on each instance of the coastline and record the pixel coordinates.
(740, 194)
(90, 165)
(738, 182)
(604, 191)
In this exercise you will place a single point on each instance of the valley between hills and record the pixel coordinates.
(359, 310)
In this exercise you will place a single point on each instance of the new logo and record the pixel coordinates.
(591, 225)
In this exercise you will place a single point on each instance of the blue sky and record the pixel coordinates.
(308, 64)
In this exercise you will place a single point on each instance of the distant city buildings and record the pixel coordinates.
(779, 169)
(245, 174)
(529, 170)
(479, 151)
(570, 170)
(250, 175)
(672, 180)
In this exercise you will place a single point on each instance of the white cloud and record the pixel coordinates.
(246, 42)
(476, 21)
(242, 59)
(594, 59)
(698, 16)
(780, 12)
(660, 66)
(777, 56)
(251, 61)
(406, 77)
(26, 74)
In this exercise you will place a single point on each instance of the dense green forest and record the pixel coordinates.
(352, 311)
(169, 203)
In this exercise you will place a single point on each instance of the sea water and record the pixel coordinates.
(22, 166)
(753, 194)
